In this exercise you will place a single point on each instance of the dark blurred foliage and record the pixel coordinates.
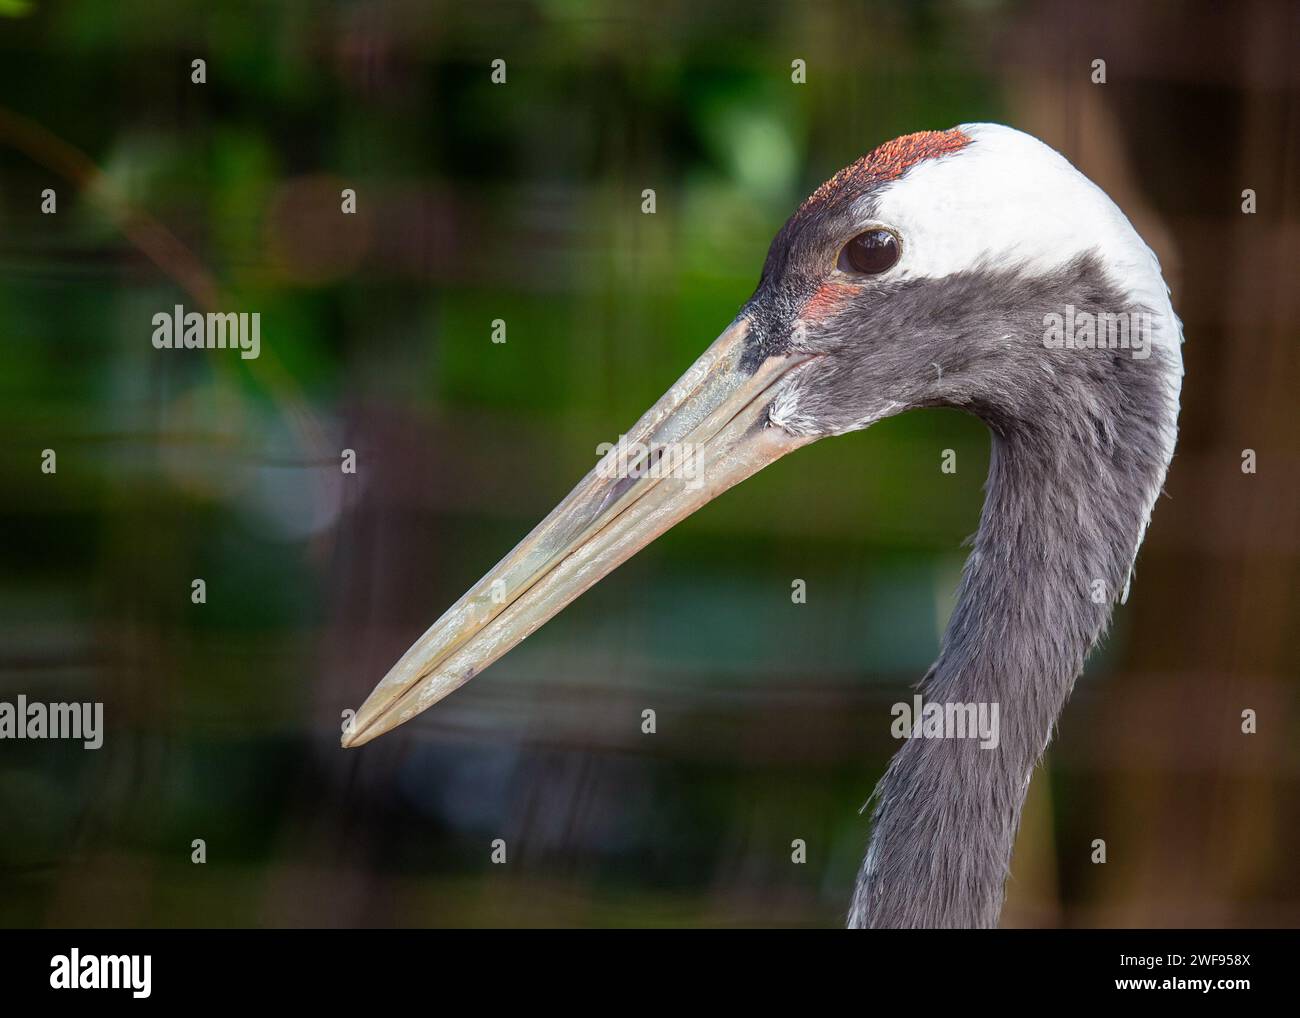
(522, 202)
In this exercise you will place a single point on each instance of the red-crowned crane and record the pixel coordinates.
(972, 268)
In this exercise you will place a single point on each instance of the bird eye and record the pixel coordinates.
(869, 253)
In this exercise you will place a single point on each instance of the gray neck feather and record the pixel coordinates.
(1069, 490)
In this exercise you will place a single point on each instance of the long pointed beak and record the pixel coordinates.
(709, 431)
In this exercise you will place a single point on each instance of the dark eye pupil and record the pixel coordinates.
(870, 252)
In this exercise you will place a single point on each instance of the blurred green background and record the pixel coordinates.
(522, 202)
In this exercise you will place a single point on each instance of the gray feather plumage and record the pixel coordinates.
(1080, 450)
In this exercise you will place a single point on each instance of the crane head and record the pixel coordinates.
(967, 268)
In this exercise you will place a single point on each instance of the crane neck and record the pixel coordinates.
(1067, 502)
